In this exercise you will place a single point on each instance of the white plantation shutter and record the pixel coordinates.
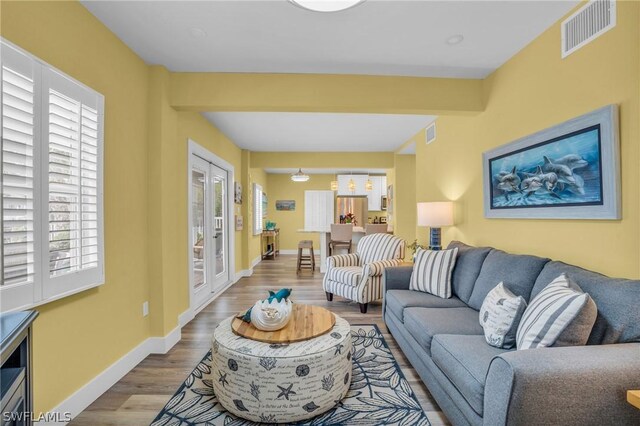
(72, 189)
(51, 183)
(18, 252)
(257, 209)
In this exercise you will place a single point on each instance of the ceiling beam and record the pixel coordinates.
(325, 93)
(322, 160)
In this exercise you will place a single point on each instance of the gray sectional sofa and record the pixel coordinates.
(478, 384)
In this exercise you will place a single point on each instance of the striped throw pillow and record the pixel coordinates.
(432, 272)
(560, 315)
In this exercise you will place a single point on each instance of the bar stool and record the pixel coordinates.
(306, 261)
(341, 236)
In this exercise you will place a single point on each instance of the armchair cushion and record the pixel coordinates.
(351, 275)
(339, 260)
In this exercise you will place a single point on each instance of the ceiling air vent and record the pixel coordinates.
(430, 133)
(588, 23)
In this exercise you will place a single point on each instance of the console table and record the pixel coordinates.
(273, 236)
(16, 393)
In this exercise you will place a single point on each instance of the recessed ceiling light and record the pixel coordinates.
(197, 32)
(455, 39)
(326, 5)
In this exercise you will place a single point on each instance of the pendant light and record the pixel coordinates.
(334, 185)
(369, 185)
(299, 176)
(352, 185)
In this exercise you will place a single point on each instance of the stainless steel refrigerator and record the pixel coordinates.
(358, 205)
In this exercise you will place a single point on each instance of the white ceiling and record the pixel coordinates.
(376, 37)
(298, 132)
(355, 171)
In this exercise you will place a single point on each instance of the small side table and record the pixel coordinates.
(633, 398)
(273, 236)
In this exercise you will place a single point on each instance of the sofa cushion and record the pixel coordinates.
(424, 323)
(467, 269)
(351, 275)
(465, 361)
(518, 273)
(560, 315)
(500, 316)
(617, 299)
(432, 271)
(398, 300)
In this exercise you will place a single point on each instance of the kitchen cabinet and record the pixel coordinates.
(375, 195)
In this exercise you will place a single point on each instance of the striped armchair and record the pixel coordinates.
(358, 276)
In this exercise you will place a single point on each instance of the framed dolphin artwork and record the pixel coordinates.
(569, 171)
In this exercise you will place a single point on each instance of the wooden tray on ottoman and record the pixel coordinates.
(307, 322)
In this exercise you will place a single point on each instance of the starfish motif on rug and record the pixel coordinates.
(285, 391)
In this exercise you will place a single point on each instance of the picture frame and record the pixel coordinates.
(237, 192)
(390, 199)
(286, 205)
(568, 171)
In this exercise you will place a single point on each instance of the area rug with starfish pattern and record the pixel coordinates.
(379, 393)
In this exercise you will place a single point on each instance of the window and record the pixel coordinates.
(257, 209)
(51, 156)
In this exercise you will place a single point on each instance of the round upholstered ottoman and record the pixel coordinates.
(277, 383)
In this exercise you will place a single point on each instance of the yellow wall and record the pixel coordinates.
(404, 189)
(260, 177)
(534, 90)
(77, 337)
(282, 188)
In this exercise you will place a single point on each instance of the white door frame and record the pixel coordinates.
(195, 149)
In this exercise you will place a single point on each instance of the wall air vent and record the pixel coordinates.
(586, 24)
(430, 133)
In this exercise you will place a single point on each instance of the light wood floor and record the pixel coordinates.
(138, 397)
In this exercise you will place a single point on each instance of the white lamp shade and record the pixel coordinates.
(435, 214)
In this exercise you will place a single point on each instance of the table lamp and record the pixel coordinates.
(435, 215)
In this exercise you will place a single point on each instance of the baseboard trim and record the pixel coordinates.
(87, 394)
(293, 251)
(255, 261)
(244, 273)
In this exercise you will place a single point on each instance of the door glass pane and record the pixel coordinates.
(219, 229)
(198, 235)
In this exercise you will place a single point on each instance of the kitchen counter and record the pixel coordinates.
(325, 237)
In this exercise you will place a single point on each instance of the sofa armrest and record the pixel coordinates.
(341, 260)
(565, 385)
(397, 278)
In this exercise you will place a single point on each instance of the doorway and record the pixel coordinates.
(210, 232)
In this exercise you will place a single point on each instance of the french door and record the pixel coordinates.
(209, 225)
